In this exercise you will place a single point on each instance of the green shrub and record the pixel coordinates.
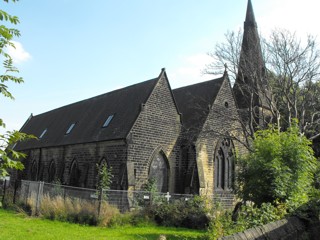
(223, 222)
(279, 170)
(180, 213)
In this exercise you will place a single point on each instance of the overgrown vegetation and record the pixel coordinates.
(280, 169)
(72, 210)
(188, 213)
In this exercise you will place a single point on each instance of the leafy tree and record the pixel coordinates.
(9, 158)
(279, 170)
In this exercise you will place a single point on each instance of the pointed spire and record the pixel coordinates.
(251, 69)
(250, 19)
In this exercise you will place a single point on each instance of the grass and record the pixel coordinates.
(18, 226)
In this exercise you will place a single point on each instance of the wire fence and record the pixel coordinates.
(32, 192)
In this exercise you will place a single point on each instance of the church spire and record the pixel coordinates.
(250, 19)
(251, 69)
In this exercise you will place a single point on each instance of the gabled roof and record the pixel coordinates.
(89, 117)
(194, 103)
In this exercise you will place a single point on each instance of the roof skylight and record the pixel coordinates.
(107, 122)
(70, 128)
(43, 133)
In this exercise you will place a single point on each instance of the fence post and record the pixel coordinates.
(27, 193)
(4, 191)
(15, 186)
(99, 201)
(39, 197)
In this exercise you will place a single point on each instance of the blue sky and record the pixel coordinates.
(71, 50)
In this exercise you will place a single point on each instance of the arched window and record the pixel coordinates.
(34, 171)
(52, 171)
(159, 172)
(74, 174)
(224, 165)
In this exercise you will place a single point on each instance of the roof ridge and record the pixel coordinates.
(200, 83)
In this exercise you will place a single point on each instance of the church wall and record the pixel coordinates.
(221, 119)
(87, 156)
(157, 128)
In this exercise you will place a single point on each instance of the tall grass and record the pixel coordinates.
(73, 210)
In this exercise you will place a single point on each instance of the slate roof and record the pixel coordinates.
(89, 116)
(193, 102)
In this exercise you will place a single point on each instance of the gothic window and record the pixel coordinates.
(34, 171)
(52, 171)
(224, 165)
(74, 174)
(159, 172)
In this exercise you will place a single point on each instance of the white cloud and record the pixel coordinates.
(18, 54)
(190, 71)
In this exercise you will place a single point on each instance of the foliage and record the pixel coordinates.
(104, 180)
(18, 226)
(104, 177)
(9, 158)
(279, 170)
(132, 218)
(151, 187)
(191, 213)
(224, 224)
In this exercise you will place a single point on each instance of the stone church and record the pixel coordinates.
(178, 137)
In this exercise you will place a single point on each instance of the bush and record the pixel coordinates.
(180, 213)
(279, 170)
(248, 216)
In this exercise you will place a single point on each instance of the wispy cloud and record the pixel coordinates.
(18, 53)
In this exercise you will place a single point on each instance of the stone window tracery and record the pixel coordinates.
(224, 165)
